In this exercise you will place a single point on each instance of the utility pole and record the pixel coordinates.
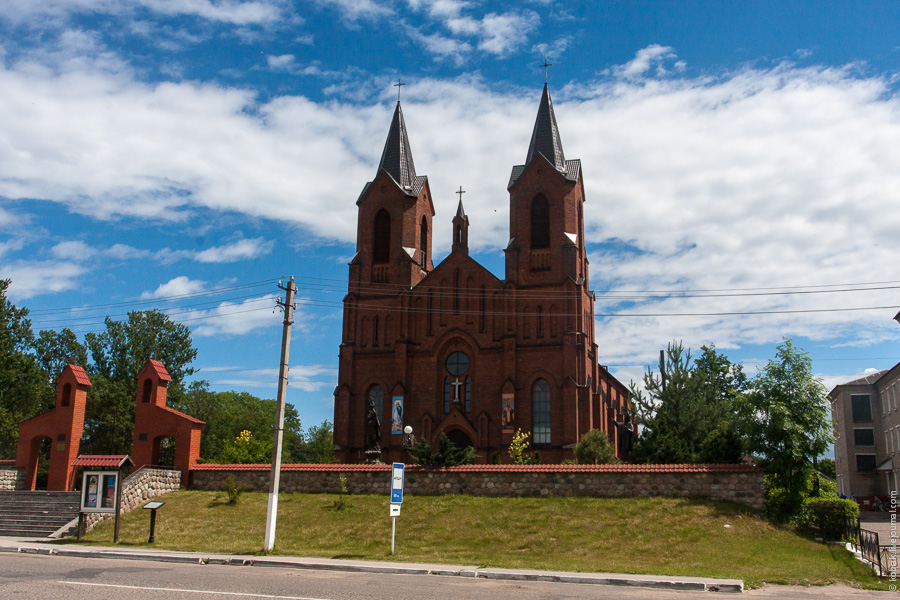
(275, 480)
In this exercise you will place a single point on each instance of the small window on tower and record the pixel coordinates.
(381, 237)
(540, 223)
(423, 243)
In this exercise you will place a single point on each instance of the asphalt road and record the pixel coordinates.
(67, 578)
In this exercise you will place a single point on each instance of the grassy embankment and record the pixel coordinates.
(659, 536)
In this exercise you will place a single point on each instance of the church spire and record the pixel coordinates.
(545, 137)
(461, 227)
(397, 158)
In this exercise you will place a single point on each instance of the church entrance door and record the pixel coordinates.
(459, 439)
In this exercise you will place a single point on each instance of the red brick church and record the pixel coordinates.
(451, 348)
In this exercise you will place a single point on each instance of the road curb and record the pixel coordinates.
(670, 583)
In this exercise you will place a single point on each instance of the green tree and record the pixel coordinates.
(687, 410)
(827, 468)
(56, 349)
(316, 446)
(117, 356)
(25, 390)
(594, 448)
(786, 420)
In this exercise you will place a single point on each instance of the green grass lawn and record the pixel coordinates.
(661, 536)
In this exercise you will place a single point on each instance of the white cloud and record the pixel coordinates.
(309, 378)
(33, 278)
(236, 12)
(356, 10)
(125, 252)
(74, 250)
(239, 250)
(645, 59)
(231, 318)
(179, 286)
(280, 62)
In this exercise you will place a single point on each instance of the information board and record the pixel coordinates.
(397, 483)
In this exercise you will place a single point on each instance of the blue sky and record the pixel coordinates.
(741, 165)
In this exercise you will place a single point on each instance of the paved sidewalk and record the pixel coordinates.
(40, 546)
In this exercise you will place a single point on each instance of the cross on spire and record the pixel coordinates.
(545, 67)
(460, 191)
(399, 87)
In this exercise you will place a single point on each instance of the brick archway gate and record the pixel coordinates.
(63, 425)
(154, 421)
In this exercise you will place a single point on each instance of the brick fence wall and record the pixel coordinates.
(735, 483)
(142, 485)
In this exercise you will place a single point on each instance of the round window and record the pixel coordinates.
(457, 363)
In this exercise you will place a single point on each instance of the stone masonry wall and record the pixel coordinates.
(735, 483)
(138, 488)
(8, 479)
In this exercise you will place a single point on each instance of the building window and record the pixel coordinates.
(381, 238)
(377, 398)
(864, 437)
(148, 390)
(423, 243)
(865, 463)
(862, 408)
(458, 386)
(540, 223)
(67, 394)
(540, 395)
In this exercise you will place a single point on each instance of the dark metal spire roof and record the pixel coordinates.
(545, 137)
(545, 141)
(460, 211)
(397, 158)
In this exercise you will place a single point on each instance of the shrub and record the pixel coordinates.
(518, 450)
(232, 490)
(448, 454)
(826, 516)
(594, 448)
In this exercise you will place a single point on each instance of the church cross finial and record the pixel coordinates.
(399, 85)
(545, 67)
(460, 191)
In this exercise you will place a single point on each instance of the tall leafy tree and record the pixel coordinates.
(117, 356)
(786, 418)
(56, 349)
(24, 387)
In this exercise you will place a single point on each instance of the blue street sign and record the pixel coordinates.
(397, 483)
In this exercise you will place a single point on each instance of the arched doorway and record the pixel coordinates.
(41, 449)
(459, 438)
(164, 451)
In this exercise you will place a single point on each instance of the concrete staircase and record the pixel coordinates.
(36, 514)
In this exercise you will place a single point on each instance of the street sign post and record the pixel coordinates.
(396, 497)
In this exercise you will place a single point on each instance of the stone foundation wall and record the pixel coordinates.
(734, 483)
(139, 487)
(8, 479)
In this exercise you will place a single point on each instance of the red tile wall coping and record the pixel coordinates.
(712, 468)
(100, 460)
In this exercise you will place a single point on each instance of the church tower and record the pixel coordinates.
(393, 244)
(546, 224)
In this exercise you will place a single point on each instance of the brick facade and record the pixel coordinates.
(527, 340)
(154, 421)
(63, 425)
(732, 483)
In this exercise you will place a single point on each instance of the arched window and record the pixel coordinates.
(540, 396)
(540, 223)
(381, 237)
(423, 243)
(67, 394)
(458, 385)
(377, 397)
(148, 391)
(540, 322)
(375, 331)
